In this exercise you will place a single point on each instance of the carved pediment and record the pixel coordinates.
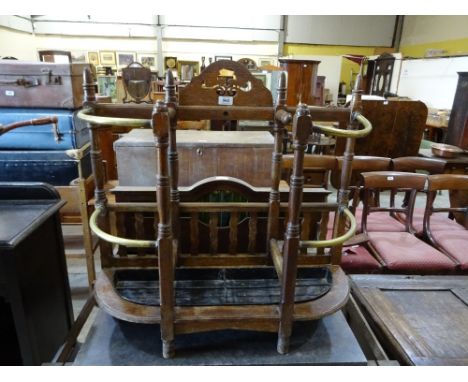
(225, 79)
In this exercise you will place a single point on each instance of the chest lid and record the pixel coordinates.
(200, 138)
(33, 68)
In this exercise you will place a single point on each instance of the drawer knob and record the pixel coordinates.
(199, 151)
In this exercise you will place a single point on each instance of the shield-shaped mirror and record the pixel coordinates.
(137, 82)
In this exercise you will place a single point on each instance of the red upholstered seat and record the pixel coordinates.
(402, 251)
(439, 222)
(376, 222)
(357, 259)
(455, 243)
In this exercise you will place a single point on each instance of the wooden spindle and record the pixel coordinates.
(97, 166)
(278, 132)
(305, 226)
(161, 127)
(302, 124)
(213, 224)
(139, 230)
(233, 223)
(253, 221)
(171, 103)
(194, 234)
(346, 170)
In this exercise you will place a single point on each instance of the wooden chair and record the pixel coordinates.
(216, 255)
(381, 221)
(400, 251)
(445, 234)
(317, 169)
(426, 165)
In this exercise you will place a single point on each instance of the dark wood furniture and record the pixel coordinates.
(443, 233)
(458, 165)
(302, 81)
(457, 133)
(398, 128)
(382, 76)
(419, 320)
(271, 283)
(400, 251)
(35, 304)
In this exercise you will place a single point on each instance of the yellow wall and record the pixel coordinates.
(453, 47)
(336, 50)
(421, 33)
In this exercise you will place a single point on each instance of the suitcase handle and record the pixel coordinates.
(38, 121)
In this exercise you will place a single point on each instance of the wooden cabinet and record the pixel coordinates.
(35, 304)
(302, 81)
(457, 133)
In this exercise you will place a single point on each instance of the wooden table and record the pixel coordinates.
(419, 320)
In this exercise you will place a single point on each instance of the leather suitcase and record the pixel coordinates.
(69, 133)
(41, 84)
(56, 167)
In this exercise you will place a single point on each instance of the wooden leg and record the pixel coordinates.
(166, 280)
(168, 349)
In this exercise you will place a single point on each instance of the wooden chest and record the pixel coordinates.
(241, 154)
(41, 84)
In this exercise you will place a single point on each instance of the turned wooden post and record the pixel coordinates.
(171, 102)
(346, 170)
(281, 118)
(161, 128)
(89, 89)
(302, 125)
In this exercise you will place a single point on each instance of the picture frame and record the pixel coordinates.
(107, 86)
(93, 58)
(78, 57)
(125, 58)
(219, 58)
(147, 59)
(266, 61)
(107, 58)
(170, 63)
(187, 70)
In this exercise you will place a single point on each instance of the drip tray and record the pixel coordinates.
(221, 286)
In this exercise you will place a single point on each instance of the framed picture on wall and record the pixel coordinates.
(219, 58)
(93, 58)
(107, 58)
(125, 58)
(148, 60)
(170, 62)
(188, 69)
(266, 62)
(78, 57)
